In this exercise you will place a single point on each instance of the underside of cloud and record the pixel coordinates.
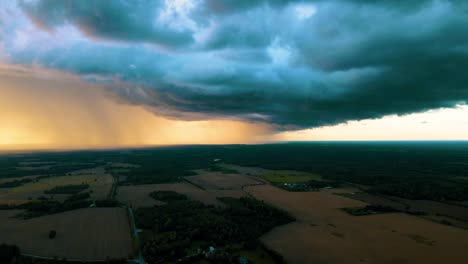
(290, 63)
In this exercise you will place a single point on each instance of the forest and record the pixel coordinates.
(180, 224)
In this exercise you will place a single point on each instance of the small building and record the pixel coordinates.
(243, 260)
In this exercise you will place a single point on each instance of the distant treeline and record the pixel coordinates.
(9, 168)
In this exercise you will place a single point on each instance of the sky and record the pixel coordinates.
(91, 74)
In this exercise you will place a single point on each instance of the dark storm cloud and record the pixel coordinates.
(114, 20)
(300, 63)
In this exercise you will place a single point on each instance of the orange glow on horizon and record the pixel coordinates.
(66, 113)
(43, 109)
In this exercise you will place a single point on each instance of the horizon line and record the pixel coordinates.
(16, 150)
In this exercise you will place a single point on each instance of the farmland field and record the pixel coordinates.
(430, 232)
(3, 180)
(84, 234)
(99, 185)
(138, 195)
(221, 181)
(413, 206)
(325, 234)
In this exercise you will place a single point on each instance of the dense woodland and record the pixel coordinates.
(181, 222)
(415, 170)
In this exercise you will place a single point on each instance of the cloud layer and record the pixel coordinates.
(43, 109)
(295, 64)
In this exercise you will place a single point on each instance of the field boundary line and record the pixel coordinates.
(194, 184)
(59, 258)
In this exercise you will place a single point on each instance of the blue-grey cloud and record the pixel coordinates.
(300, 63)
(133, 21)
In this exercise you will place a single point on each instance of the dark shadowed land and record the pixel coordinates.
(320, 202)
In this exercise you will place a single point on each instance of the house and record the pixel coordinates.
(243, 260)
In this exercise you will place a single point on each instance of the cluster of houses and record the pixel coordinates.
(300, 187)
(211, 253)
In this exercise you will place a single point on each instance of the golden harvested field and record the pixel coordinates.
(429, 207)
(99, 184)
(102, 186)
(84, 234)
(220, 181)
(138, 195)
(325, 234)
(204, 187)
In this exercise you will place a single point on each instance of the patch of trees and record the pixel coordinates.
(370, 209)
(52, 234)
(167, 196)
(68, 189)
(107, 203)
(424, 190)
(152, 175)
(14, 183)
(79, 196)
(46, 207)
(222, 169)
(180, 222)
(17, 183)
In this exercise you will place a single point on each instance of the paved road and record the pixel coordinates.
(135, 235)
(115, 182)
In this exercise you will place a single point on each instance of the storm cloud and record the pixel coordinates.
(295, 64)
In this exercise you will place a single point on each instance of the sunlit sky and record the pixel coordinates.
(102, 74)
